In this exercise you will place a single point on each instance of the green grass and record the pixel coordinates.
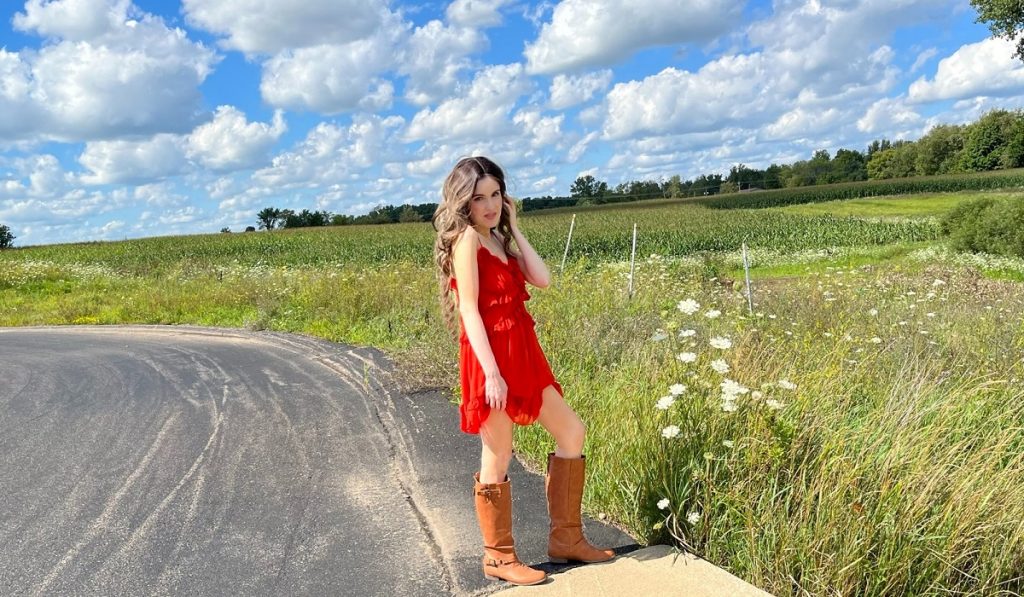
(925, 204)
(896, 465)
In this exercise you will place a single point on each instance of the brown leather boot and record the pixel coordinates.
(494, 513)
(564, 487)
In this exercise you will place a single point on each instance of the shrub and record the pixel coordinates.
(986, 226)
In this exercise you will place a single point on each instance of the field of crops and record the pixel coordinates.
(861, 432)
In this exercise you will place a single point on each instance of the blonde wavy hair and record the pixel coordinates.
(452, 217)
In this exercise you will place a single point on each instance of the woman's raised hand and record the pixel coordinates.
(495, 391)
(510, 207)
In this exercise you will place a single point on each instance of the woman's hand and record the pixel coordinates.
(495, 391)
(510, 207)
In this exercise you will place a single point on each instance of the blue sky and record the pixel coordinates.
(122, 120)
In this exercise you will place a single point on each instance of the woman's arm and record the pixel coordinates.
(534, 268)
(467, 279)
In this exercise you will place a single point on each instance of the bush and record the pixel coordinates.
(987, 226)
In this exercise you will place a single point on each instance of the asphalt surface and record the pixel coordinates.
(184, 460)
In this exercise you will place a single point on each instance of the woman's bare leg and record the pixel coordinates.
(562, 423)
(496, 452)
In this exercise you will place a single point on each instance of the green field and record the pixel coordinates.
(874, 444)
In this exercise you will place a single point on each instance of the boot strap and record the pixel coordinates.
(489, 491)
(499, 563)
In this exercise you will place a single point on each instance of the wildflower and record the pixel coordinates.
(670, 432)
(663, 503)
(693, 517)
(757, 395)
(938, 282)
(773, 404)
(873, 312)
(930, 314)
(659, 335)
(713, 313)
(721, 342)
(686, 357)
(732, 388)
(689, 306)
(729, 406)
(720, 366)
(665, 402)
(727, 443)
(676, 389)
(786, 384)
(687, 333)
(876, 340)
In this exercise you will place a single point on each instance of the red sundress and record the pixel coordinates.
(511, 335)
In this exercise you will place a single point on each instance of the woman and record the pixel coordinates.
(504, 374)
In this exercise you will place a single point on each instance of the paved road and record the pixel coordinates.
(181, 460)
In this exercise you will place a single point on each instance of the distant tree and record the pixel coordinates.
(268, 217)
(986, 140)
(408, 214)
(728, 187)
(849, 165)
(306, 218)
(673, 187)
(878, 145)
(584, 187)
(898, 161)
(341, 220)
(6, 238)
(250, 229)
(225, 230)
(1005, 19)
(939, 152)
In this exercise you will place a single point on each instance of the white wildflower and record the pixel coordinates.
(727, 443)
(721, 342)
(720, 366)
(665, 402)
(687, 357)
(786, 384)
(663, 503)
(689, 306)
(713, 313)
(670, 432)
(693, 517)
(773, 404)
(659, 335)
(676, 389)
(876, 340)
(687, 333)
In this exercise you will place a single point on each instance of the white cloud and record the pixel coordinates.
(923, 58)
(229, 142)
(482, 110)
(801, 122)
(327, 79)
(568, 91)
(433, 59)
(271, 26)
(984, 68)
(542, 131)
(887, 115)
(114, 76)
(598, 33)
(109, 162)
(476, 13)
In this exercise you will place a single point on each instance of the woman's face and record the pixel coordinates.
(486, 203)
